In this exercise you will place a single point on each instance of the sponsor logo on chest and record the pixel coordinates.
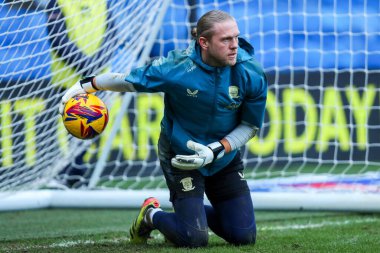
(233, 91)
(191, 93)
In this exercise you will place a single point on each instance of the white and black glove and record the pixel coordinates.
(83, 86)
(203, 155)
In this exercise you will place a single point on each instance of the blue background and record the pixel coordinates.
(286, 35)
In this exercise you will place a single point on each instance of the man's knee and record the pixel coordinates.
(243, 237)
(194, 238)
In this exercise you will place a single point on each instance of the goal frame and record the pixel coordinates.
(290, 201)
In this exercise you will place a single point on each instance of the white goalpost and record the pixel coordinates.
(319, 145)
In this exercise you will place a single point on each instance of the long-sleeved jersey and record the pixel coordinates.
(204, 103)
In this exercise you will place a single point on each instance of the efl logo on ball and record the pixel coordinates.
(85, 116)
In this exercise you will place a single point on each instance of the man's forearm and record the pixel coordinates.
(239, 136)
(113, 82)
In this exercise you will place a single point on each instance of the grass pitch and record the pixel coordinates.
(101, 230)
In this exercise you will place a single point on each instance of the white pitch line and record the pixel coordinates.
(317, 225)
(68, 244)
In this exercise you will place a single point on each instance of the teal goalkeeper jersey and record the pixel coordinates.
(204, 103)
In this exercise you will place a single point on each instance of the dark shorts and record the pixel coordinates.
(225, 184)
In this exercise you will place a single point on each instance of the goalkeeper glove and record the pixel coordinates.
(203, 155)
(85, 85)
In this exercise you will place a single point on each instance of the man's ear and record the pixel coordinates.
(203, 42)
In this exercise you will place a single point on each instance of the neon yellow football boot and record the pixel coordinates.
(140, 229)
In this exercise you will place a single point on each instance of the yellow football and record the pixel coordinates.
(85, 116)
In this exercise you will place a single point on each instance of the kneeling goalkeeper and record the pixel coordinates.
(215, 96)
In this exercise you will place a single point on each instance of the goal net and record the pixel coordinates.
(319, 145)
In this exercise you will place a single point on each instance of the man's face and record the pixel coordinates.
(221, 49)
